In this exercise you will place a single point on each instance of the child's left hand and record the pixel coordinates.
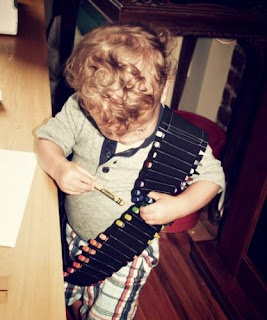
(165, 209)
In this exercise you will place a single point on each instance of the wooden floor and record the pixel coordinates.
(175, 290)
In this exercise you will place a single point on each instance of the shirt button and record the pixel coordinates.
(108, 154)
(105, 169)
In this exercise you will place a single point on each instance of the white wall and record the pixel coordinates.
(175, 57)
(206, 77)
(196, 72)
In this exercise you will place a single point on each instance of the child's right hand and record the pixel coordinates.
(72, 178)
(69, 176)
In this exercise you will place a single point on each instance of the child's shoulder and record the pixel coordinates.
(72, 107)
(73, 102)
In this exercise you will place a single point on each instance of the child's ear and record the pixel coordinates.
(164, 92)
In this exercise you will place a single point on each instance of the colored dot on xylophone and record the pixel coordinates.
(128, 217)
(160, 134)
(135, 209)
(120, 224)
(149, 164)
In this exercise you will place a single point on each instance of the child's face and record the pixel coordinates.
(136, 132)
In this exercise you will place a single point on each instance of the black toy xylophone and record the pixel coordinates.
(175, 155)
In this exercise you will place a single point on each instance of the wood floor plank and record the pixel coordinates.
(175, 290)
(151, 302)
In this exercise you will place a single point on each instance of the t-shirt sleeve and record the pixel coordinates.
(210, 169)
(64, 128)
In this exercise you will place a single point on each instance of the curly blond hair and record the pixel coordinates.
(121, 69)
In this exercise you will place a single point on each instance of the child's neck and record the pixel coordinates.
(122, 147)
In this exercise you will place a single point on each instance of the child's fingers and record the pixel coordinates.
(158, 195)
(74, 186)
(75, 180)
(86, 174)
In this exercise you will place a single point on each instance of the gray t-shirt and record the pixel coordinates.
(91, 212)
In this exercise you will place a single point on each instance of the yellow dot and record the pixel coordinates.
(128, 217)
(120, 224)
(156, 235)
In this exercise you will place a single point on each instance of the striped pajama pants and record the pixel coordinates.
(116, 297)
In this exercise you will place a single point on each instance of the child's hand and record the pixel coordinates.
(168, 208)
(163, 211)
(72, 178)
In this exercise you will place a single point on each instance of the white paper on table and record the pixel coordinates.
(16, 174)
